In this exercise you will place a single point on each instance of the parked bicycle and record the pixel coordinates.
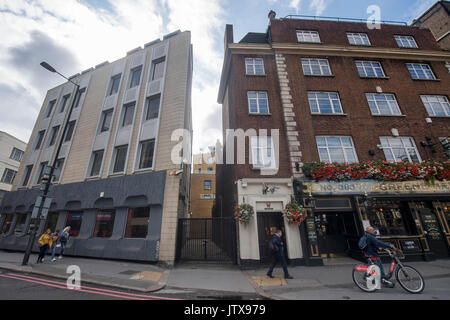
(408, 277)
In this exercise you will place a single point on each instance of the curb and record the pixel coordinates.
(260, 291)
(160, 285)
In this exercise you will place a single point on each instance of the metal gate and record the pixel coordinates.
(206, 239)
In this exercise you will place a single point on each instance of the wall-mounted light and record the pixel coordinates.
(394, 132)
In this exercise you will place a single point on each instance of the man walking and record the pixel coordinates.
(277, 247)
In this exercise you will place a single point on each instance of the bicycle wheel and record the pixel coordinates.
(410, 279)
(361, 279)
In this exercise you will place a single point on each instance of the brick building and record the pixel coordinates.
(437, 19)
(336, 92)
(203, 185)
(115, 182)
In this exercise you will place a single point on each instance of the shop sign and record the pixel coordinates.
(311, 230)
(410, 245)
(431, 226)
(371, 186)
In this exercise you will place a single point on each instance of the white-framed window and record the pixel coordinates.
(383, 104)
(128, 114)
(258, 102)
(26, 176)
(406, 41)
(8, 176)
(64, 101)
(120, 157)
(146, 154)
(49, 110)
(358, 39)
(420, 71)
(207, 185)
(254, 66)
(135, 77)
(114, 84)
(58, 169)
(316, 67)
(106, 120)
(324, 103)
(308, 36)
(436, 105)
(53, 136)
(39, 139)
(400, 149)
(152, 107)
(336, 149)
(371, 69)
(262, 152)
(96, 163)
(16, 154)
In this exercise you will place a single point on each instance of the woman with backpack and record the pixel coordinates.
(63, 238)
(46, 242)
(55, 238)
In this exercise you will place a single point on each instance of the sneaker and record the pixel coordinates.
(387, 283)
(53, 260)
(42, 260)
(270, 276)
(289, 277)
(60, 257)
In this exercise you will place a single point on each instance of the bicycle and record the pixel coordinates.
(409, 278)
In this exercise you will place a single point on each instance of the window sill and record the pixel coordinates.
(436, 80)
(116, 174)
(381, 78)
(143, 170)
(439, 116)
(320, 75)
(329, 114)
(259, 114)
(256, 75)
(91, 178)
(389, 115)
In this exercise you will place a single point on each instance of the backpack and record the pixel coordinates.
(362, 244)
(63, 237)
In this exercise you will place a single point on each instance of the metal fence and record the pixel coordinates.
(206, 239)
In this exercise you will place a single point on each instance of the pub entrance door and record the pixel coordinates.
(333, 230)
(434, 233)
(268, 224)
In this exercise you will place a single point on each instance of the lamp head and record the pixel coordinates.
(47, 66)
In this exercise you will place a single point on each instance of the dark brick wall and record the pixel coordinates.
(335, 33)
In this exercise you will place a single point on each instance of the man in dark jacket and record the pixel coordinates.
(371, 252)
(277, 247)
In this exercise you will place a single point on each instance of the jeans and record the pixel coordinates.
(278, 258)
(63, 245)
(42, 252)
(380, 265)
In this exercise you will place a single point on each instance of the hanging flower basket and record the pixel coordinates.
(244, 213)
(294, 213)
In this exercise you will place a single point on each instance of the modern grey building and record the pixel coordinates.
(116, 182)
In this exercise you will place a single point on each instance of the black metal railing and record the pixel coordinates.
(338, 19)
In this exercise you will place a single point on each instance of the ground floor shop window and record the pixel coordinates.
(74, 220)
(7, 224)
(104, 224)
(52, 219)
(31, 226)
(20, 224)
(137, 222)
(391, 218)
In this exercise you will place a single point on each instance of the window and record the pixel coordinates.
(52, 220)
(254, 66)
(400, 149)
(20, 224)
(324, 103)
(7, 224)
(78, 97)
(27, 175)
(63, 104)
(336, 149)
(405, 41)
(39, 139)
(146, 157)
(358, 39)
(263, 155)
(74, 220)
(104, 224)
(152, 107)
(210, 161)
(258, 102)
(206, 196)
(445, 142)
(207, 185)
(69, 132)
(308, 36)
(8, 176)
(383, 104)
(135, 77)
(49, 110)
(128, 113)
(316, 67)
(58, 168)
(41, 171)
(158, 70)
(120, 158)
(210, 170)
(370, 69)
(106, 120)
(420, 71)
(16, 154)
(53, 136)
(97, 158)
(114, 86)
(436, 105)
(137, 222)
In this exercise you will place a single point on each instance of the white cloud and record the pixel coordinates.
(92, 35)
(319, 6)
(295, 4)
(417, 9)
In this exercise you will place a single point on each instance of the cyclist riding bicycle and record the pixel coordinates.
(370, 249)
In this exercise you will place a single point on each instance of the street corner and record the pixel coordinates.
(265, 281)
(147, 276)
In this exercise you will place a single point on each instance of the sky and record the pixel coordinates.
(75, 35)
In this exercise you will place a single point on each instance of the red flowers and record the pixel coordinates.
(294, 213)
(243, 213)
(430, 170)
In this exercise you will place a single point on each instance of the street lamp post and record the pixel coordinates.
(47, 178)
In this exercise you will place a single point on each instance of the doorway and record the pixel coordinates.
(434, 234)
(334, 228)
(268, 224)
